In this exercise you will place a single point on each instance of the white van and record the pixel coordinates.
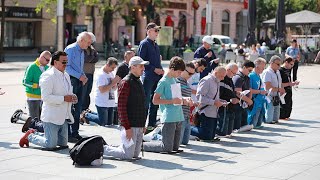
(220, 39)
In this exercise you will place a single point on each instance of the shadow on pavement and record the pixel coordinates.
(198, 148)
(252, 139)
(7, 145)
(166, 165)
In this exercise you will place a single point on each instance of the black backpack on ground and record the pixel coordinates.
(87, 150)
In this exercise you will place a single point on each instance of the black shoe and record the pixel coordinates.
(178, 151)
(63, 147)
(78, 137)
(72, 139)
(14, 117)
(26, 125)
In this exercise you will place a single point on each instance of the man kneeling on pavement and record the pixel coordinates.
(56, 113)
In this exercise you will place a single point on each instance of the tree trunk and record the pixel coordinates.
(2, 31)
(107, 21)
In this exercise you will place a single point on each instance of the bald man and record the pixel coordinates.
(31, 83)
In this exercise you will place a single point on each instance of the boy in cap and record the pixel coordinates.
(131, 109)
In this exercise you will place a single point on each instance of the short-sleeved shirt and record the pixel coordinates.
(170, 112)
(273, 77)
(285, 76)
(123, 70)
(106, 99)
(293, 52)
(241, 81)
(186, 92)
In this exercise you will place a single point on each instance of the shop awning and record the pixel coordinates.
(298, 18)
(188, 16)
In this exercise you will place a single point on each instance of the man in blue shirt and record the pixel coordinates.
(78, 78)
(293, 52)
(149, 51)
(207, 53)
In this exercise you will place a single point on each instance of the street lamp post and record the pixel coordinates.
(60, 25)
(208, 16)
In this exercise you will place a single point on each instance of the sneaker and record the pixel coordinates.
(26, 125)
(221, 136)
(24, 140)
(258, 127)
(14, 117)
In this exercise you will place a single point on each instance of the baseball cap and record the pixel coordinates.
(135, 60)
(207, 39)
(153, 25)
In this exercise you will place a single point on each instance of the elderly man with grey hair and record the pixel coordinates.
(227, 93)
(209, 102)
(78, 78)
(90, 59)
(273, 84)
(256, 112)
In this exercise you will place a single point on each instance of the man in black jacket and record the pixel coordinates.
(227, 93)
(131, 110)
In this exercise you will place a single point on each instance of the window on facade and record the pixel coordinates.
(225, 29)
(19, 34)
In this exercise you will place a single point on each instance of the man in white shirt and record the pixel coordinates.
(57, 97)
(200, 64)
(104, 94)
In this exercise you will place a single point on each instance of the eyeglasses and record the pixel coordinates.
(234, 73)
(46, 59)
(277, 64)
(156, 30)
(64, 62)
(190, 74)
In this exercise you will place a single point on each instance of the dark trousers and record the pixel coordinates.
(86, 90)
(225, 122)
(240, 117)
(285, 109)
(207, 128)
(149, 88)
(76, 108)
(295, 70)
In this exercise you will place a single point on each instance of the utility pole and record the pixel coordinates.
(60, 28)
(208, 17)
(2, 31)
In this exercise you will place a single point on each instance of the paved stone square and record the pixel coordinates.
(288, 150)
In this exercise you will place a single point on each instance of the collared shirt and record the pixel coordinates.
(201, 52)
(75, 60)
(207, 94)
(149, 51)
(269, 75)
(293, 52)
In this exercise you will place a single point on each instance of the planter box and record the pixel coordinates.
(188, 56)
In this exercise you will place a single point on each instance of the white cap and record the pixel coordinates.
(263, 44)
(207, 39)
(135, 60)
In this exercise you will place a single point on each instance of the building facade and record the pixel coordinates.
(27, 29)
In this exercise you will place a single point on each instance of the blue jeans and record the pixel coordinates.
(185, 132)
(54, 135)
(225, 122)
(207, 128)
(257, 118)
(76, 108)
(103, 117)
(241, 117)
(86, 90)
(149, 88)
(272, 113)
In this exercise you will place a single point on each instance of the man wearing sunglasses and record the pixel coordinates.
(273, 84)
(149, 51)
(287, 83)
(31, 83)
(57, 99)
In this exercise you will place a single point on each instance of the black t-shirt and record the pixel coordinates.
(285, 75)
(227, 91)
(241, 81)
(123, 70)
